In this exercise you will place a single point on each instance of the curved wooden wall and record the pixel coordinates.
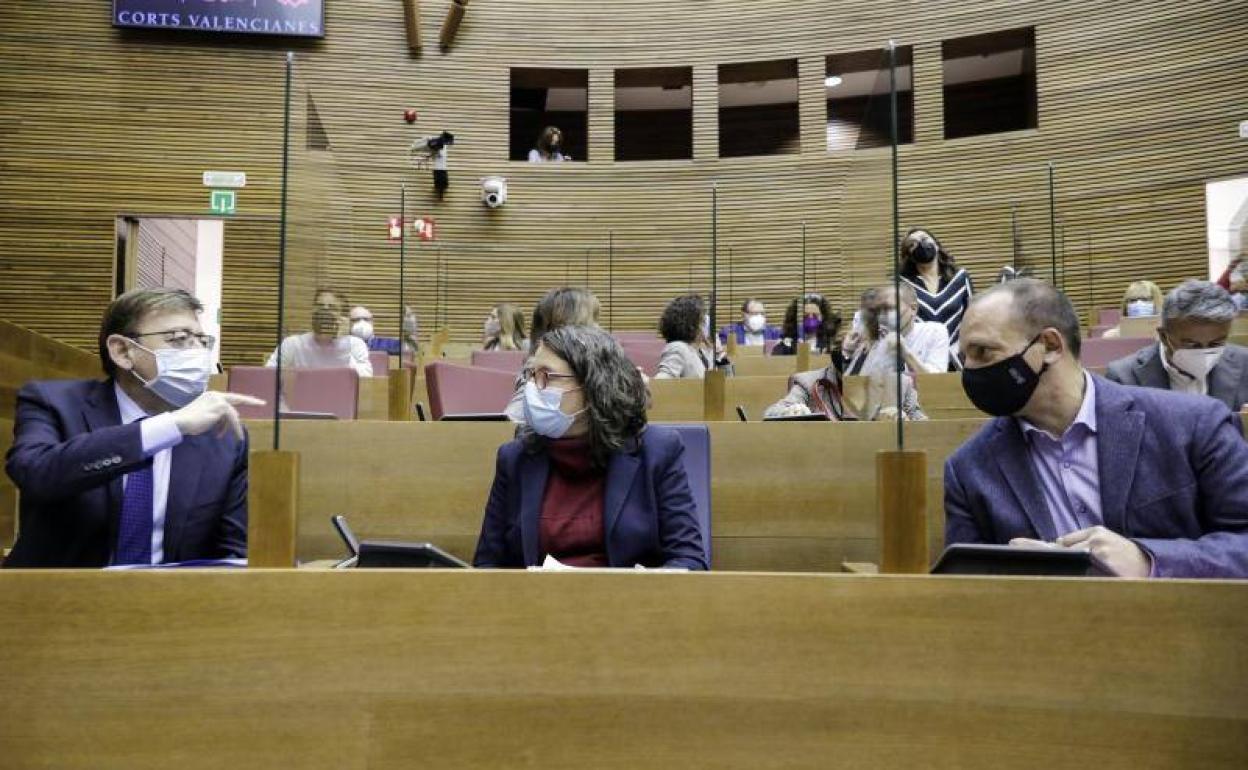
(1138, 104)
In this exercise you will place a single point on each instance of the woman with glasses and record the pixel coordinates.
(586, 481)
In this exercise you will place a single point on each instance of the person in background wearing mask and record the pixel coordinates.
(1151, 482)
(687, 329)
(362, 327)
(324, 347)
(1141, 299)
(504, 329)
(1192, 354)
(818, 325)
(549, 147)
(144, 467)
(586, 481)
(752, 329)
(564, 306)
(942, 288)
(924, 344)
(820, 391)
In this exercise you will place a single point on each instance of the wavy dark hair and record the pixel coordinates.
(565, 306)
(682, 319)
(831, 320)
(614, 392)
(948, 266)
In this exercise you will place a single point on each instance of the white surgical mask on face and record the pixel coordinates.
(1140, 307)
(542, 411)
(181, 374)
(362, 329)
(1197, 362)
(491, 327)
(756, 322)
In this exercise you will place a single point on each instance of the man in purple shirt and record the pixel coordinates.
(1152, 482)
(143, 467)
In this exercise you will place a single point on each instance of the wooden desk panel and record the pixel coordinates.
(393, 480)
(753, 393)
(676, 400)
(769, 366)
(785, 496)
(388, 669)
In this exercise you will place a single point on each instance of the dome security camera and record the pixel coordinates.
(494, 191)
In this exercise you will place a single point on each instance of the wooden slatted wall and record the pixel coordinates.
(1138, 105)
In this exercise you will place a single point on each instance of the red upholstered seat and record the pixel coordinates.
(459, 389)
(332, 391)
(500, 360)
(380, 360)
(1098, 353)
(644, 353)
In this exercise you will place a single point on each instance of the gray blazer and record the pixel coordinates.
(680, 360)
(1227, 381)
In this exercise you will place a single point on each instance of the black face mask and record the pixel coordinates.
(924, 252)
(1003, 388)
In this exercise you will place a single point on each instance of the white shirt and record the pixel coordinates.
(302, 351)
(927, 341)
(160, 435)
(1181, 382)
(535, 156)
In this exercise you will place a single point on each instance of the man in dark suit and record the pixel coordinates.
(1150, 481)
(1192, 354)
(144, 467)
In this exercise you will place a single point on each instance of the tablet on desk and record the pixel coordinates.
(370, 554)
(476, 417)
(980, 559)
(812, 417)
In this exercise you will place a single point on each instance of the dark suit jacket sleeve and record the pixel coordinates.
(960, 523)
(232, 534)
(679, 535)
(46, 467)
(1220, 459)
(492, 544)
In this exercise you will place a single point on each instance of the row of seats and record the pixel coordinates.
(486, 383)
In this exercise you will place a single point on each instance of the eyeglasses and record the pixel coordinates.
(181, 338)
(542, 378)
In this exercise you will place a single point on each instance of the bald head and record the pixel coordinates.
(1007, 317)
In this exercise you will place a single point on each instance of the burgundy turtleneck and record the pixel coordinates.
(571, 524)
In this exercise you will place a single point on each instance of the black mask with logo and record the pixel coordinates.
(1003, 388)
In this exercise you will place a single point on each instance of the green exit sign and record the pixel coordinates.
(222, 201)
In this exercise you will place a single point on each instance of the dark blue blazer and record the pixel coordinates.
(649, 514)
(1174, 478)
(69, 454)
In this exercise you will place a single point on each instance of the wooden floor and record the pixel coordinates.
(394, 669)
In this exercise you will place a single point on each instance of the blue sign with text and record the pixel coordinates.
(290, 18)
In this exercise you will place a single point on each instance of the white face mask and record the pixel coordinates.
(1197, 362)
(1137, 308)
(362, 329)
(181, 374)
(491, 327)
(542, 411)
(756, 322)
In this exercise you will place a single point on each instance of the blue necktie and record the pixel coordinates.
(134, 533)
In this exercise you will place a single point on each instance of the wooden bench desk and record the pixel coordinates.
(347, 670)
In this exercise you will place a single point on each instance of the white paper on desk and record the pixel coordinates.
(551, 564)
